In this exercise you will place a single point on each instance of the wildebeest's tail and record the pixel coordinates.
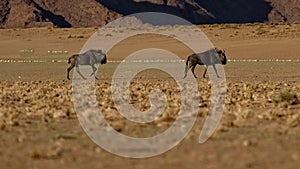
(104, 60)
(186, 67)
(71, 57)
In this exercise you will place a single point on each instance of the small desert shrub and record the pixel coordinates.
(260, 31)
(287, 97)
(76, 36)
(80, 36)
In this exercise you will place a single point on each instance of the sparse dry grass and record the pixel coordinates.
(287, 97)
(48, 101)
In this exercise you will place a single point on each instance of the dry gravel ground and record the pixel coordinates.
(259, 129)
(39, 128)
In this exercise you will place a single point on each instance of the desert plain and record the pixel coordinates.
(259, 128)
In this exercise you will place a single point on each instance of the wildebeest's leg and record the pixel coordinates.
(187, 67)
(216, 70)
(186, 70)
(77, 69)
(193, 70)
(69, 69)
(205, 71)
(94, 71)
(214, 66)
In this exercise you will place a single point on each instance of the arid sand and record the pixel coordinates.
(259, 129)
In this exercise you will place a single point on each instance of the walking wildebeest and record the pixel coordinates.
(90, 57)
(206, 58)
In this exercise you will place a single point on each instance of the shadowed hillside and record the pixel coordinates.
(91, 13)
(4, 11)
(241, 11)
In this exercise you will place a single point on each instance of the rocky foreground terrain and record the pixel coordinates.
(47, 101)
(92, 13)
(39, 127)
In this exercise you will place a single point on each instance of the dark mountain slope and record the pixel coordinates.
(91, 13)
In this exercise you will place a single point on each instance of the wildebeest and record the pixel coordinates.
(90, 57)
(207, 58)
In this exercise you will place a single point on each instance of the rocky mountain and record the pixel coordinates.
(91, 13)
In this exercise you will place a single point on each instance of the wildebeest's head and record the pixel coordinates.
(222, 56)
(103, 54)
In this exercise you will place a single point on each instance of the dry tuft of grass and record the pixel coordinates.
(287, 97)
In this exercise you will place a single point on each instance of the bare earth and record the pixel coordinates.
(39, 127)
